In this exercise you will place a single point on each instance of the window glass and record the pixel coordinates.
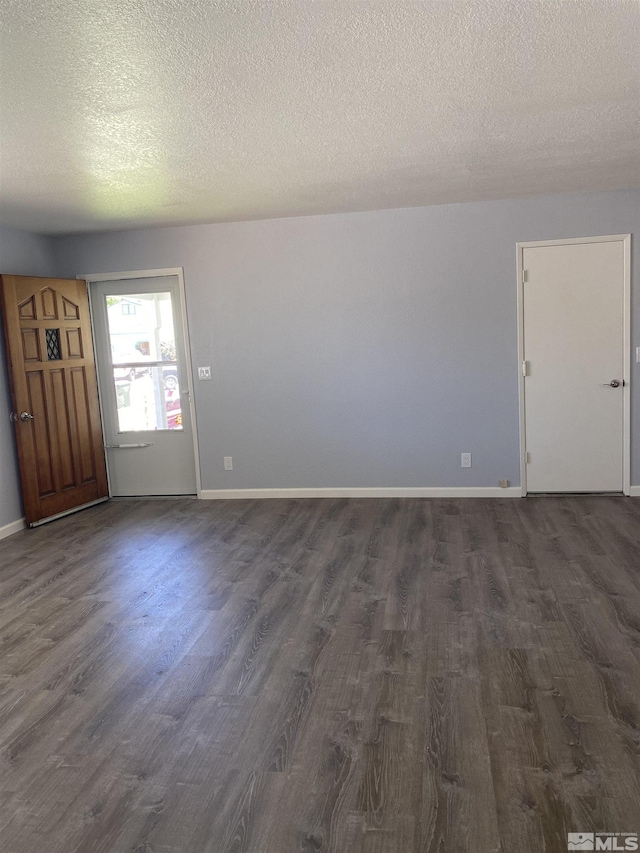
(143, 355)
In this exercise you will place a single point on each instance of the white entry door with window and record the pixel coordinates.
(141, 360)
(574, 340)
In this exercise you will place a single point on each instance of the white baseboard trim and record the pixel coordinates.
(472, 492)
(11, 528)
(634, 491)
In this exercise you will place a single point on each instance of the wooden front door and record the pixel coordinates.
(54, 393)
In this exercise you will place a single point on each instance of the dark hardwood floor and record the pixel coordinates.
(354, 676)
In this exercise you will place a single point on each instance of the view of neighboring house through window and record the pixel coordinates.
(143, 357)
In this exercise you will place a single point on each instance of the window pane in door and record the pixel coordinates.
(148, 398)
(141, 328)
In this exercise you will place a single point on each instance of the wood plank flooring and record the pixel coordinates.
(353, 676)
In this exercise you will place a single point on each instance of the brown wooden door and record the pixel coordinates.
(54, 392)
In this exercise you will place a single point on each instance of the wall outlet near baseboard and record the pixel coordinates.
(504, 484)
(228, 463)
(465, 460)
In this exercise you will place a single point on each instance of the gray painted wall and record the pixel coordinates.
(21, 253)
(365, 349)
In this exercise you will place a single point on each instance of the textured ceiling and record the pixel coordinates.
(128, 113)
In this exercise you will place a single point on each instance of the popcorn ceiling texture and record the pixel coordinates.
(126, 114)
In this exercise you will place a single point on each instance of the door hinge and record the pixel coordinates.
(525, 276)
(525, 368)
(527, 458)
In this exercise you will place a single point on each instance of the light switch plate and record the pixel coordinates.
(204, 373)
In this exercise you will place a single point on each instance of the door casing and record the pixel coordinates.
(179, 273)
(625, 239)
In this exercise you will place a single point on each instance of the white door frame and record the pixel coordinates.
(625, 239)
(179, 273)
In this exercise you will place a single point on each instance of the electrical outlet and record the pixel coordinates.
(204, 373)
(465, 460)
(504, 484)
(228, 463)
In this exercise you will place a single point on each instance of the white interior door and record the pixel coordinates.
(573, 305)
(142, 378)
